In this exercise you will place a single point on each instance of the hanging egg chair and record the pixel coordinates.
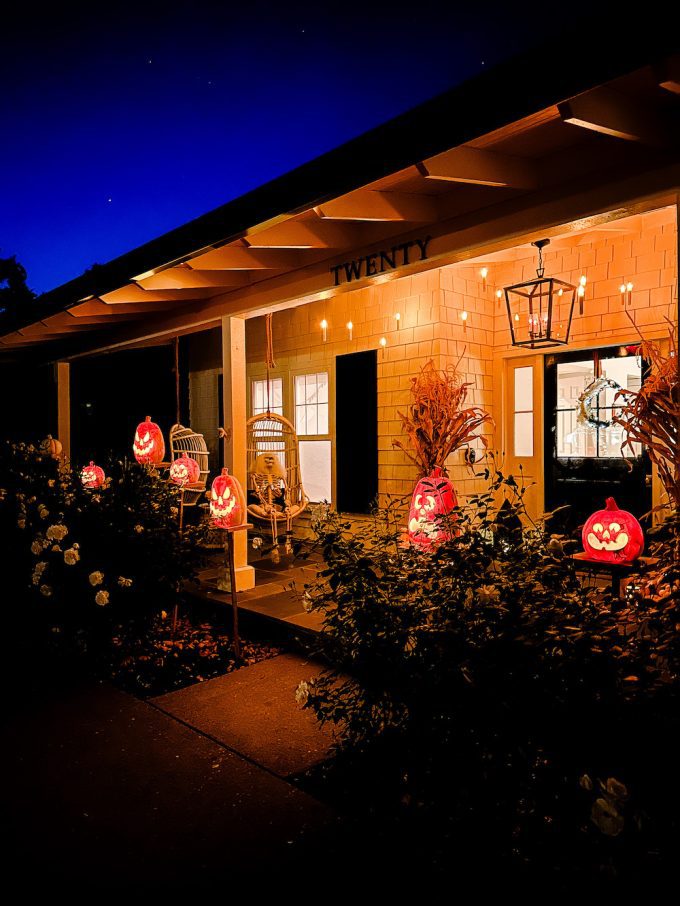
(185, 443)
(275, 491)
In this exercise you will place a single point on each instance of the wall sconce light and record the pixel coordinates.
(499, 296)
(350, 328)
(626, 290)
(484, 273)
(397, 318)
(324, 330)
(581, 292)
(383, 344)
(464, 319)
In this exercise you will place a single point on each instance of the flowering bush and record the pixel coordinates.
(115, 549)
(485, 681)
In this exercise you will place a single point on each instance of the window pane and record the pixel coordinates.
(301, 419)
(259, 396)
(322, 382)
(524, 389)
(315, 469)
(322, 425)
(524, 434)
(574, 440)
(311, 420)
(572, 380)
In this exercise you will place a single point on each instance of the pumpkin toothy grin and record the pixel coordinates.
(611, 539)
(222, 506)
(142, 445)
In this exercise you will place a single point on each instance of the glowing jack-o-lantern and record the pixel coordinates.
(613, 535)
(185, 470)
(433, 501)
(149, 445)
(92, 476)
(227, 503)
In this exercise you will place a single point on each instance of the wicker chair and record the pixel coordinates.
(185, 442)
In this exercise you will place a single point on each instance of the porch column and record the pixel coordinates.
(62, 373)
(234, 415)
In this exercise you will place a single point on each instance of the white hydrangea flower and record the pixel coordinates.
(307, 602)
(102, 598)
(43, 512)
(139, 529)
(488, 593)
(302, 693)
(57, 532)
(45, 590)
(71, 556)
(123, 582)
(21, 523)
(96, 578)
(36, 547)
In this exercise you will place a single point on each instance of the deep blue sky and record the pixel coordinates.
(119, 127)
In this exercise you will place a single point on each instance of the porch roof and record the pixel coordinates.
(525, 129)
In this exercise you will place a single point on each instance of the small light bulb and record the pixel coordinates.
(383, 342)
(560, 292)
(622, 288)
(324, 329)
(350, 328)
(582, 281)
(464, 315)
(516, 317)
(629, 287)
(484, 273)
(397, 318)
(499, 293)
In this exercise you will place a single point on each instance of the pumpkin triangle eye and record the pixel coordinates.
(214, 495)
(136, 437)
(146, 438)
(614, 527)
(598, 527)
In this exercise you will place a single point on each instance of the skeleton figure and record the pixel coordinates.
(271, 494)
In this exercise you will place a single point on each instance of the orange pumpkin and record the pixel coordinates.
(185, 470)
(433, 500)
(92, 476)
(613, 535)
(227, 503)
(148, 445)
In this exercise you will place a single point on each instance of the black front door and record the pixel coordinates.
(584, 463)
(356, 429)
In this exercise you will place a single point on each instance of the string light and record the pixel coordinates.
(350, 328)
(324, 329)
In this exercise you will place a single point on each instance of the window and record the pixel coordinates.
(311, 404)
(311, 421)
(585, 441)
(259, 396)
(524, 411)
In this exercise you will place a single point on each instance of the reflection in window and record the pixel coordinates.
(311, 404)
(589, 441)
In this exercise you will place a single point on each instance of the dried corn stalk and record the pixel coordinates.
(436, 423)
(651, 416)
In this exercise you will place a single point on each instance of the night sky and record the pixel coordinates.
(119, 127)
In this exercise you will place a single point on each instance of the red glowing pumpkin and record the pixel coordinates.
(149, 445)
(227, 503)
(613, 535)
(433, 500)
(92, 476)
(185, 470)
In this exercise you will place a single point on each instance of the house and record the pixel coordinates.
(393, 250)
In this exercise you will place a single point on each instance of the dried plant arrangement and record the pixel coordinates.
(651, 416)
(436, 422)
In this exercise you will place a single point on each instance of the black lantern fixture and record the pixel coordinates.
(540, 310)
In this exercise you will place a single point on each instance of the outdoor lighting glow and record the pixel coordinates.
(184, 470)
(613, 535)
(464, 319)
(148, 445)
(324, 329)
(92, 476)
(227, 503)
(350, 328)
(397, 318)
(383, 342)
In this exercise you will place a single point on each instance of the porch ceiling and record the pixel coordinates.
(628, 125)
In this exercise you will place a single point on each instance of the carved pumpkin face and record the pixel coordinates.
(226, 501)
(149, 445)
(185, 470)
(433, 499)
(613, 535)
(92, 476)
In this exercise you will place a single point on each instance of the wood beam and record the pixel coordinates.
(132, 293)
(184, 277)
(96, 307)
(610, 113)
(295, 234)
(371, 205)
(242, 258)
(668, 74)
(480, 167)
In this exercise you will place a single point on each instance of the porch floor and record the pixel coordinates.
(277, 595)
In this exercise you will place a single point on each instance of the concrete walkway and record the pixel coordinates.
(102, 789)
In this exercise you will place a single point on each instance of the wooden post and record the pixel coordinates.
(229, 547)
(62, 374)
(234, 420)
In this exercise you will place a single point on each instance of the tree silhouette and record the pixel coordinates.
(14, 293)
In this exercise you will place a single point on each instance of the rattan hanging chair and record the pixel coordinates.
(185, 442)
(275, 491)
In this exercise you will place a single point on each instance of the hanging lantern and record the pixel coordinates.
(184, 470)
(149, 445)
(92, 476)
(227, 503)
(433, 501)
(613, 535)
(540, 310)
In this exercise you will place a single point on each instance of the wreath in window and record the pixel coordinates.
(585, 415)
